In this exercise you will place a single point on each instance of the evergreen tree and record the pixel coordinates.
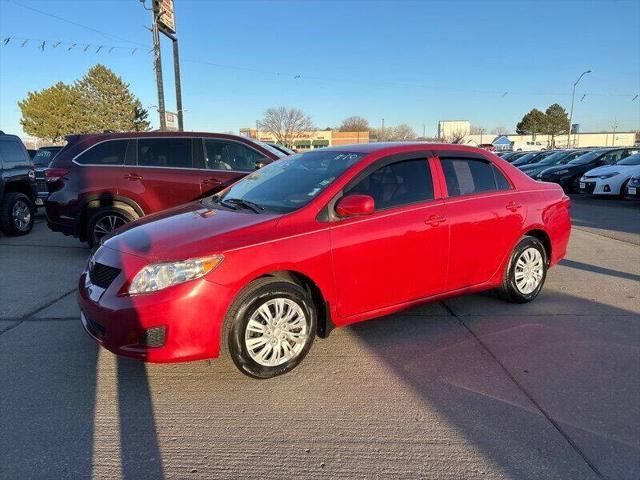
(100, 101)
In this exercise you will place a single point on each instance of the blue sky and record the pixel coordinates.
(412, 62)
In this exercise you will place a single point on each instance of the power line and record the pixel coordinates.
(62, 19)
(69, 45)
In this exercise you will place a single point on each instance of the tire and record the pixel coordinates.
(264, 293)
(17, 213)
(574, 185)
(623, 189)
(102, 221)
(531, 251)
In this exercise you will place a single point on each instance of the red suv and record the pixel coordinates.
(100, 182)
(329, 237)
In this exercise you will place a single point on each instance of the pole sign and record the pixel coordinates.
(163, 10)
(170, 120)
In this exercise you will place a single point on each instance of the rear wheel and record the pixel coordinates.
(16, 214)
(526, 272)
(104, 221)
(269, 328)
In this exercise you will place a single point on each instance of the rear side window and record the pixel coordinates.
(12, 152)
(222, 155)
(165, 152)
(111, 152)
(466, 176)
(397, 184)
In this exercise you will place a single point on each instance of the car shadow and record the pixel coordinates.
(541, 396)
(596, 269)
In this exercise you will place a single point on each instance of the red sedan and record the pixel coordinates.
(322, 239)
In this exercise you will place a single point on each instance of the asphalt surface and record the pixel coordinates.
(467, 388)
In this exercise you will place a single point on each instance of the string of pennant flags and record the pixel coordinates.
(42, 45)
(99, 48)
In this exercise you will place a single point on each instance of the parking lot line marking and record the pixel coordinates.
(526, 393)
(37, 310)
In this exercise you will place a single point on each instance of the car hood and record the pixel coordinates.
(190, 231)
(556, 168)
(612, 168)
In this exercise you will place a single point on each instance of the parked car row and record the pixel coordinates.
(598, 171)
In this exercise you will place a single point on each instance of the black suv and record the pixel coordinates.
(41, 162)
(17, 187)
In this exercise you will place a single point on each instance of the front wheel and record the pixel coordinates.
(526, 271)
(16, 214)
(104, 221)
(269, 328)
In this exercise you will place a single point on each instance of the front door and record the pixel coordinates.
(397, 254)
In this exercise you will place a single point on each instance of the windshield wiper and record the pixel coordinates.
(243, 203)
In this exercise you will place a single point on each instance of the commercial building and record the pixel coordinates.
(448, 129)
(540, 142)
(311, 140)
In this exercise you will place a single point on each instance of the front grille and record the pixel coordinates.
(102, 275)
(589, 187)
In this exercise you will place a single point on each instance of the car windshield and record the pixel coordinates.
(523, 160)
(44, 157)
(587, 157)
(632, 160)
(291, 183)
(266, 146)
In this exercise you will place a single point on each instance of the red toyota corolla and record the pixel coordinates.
(327, 238)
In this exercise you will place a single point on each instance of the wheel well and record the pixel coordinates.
(20, 187)
(544, 239)
(325, 325)
(91, 206)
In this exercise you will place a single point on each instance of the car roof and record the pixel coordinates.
(391, 147)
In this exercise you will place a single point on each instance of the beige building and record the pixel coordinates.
(453, 128)
(311, 140)
(528, 142)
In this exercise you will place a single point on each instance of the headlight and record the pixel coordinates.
(157, 276)
(608, 175)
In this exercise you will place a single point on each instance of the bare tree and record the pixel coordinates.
(500, 130)
(457, 136)
(402, 132)
(473, 130)
(354, 124)
(286, 124)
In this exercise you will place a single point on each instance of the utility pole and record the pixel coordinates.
(176, 72)
(382, 131)
(424, 131)
(573, 95)
(157, 64)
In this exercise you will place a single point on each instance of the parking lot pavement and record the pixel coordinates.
(467, 388)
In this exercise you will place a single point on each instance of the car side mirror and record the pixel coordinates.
(355, 205)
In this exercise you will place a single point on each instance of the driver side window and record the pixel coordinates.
(397, 184)
(224, 155)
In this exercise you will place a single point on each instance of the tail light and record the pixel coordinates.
(55, 174)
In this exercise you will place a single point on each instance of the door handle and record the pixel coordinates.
(513, 206)
(435, 220)
(133, 176)
(211, 181)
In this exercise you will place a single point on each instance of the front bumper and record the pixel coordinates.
(187, 317)
(599, 186)
(632, 191)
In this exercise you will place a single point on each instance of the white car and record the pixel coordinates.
(611, 179)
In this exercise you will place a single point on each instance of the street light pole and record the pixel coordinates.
(573, 95)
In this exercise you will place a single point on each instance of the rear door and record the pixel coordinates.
(398, 253)
(485, 214)
(226, 161)
(100, 170)
(162, 174)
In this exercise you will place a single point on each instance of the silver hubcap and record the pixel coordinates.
(276, 332)
(105, 225)
(529, 270)
(21, 215)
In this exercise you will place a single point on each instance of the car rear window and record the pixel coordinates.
(465, 176)
(110, 152)
(12, 152)
(165, 152)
